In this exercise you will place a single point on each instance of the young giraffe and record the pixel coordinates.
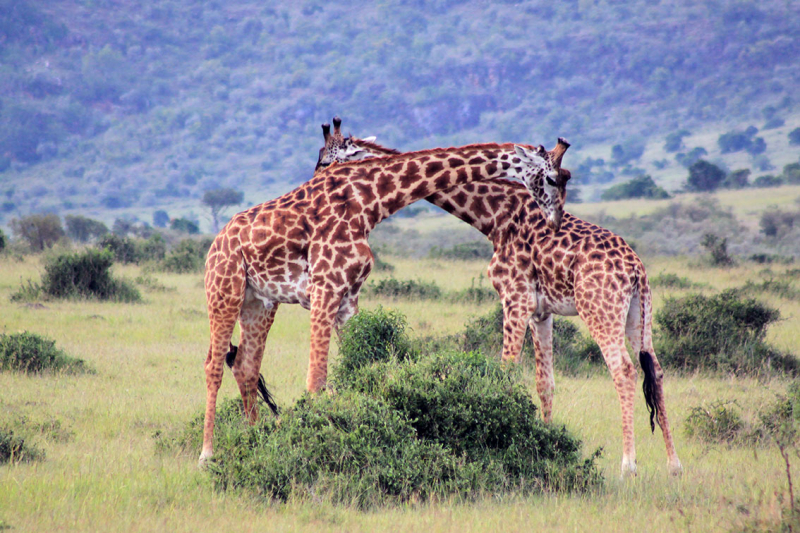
(583, 269)
(310, 247)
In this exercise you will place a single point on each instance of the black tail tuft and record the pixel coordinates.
(230, 357)
(266, 396)
(649, 388)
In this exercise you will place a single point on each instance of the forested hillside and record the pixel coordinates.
(120, 108)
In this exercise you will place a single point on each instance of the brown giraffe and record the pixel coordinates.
(582, 269)
(310, 247)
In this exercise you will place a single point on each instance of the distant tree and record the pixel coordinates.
(692, 157)
(122, 227)
(184, 225)
(674, 141)
(768, 180)
(794, 136)
(738, 179)
(218, 199)
(704, 176)
(791, 173)
(39, 231)
(641, 187)
(3, 242)
(84, 229)
(757, 146)
(160, 219)
(622, 154)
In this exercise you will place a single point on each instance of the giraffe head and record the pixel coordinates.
(543, 176)
(339, 149)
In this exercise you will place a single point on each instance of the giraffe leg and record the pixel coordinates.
(255, 321)
(324, 308)
(225, 287)
(642, 343)
(542, 335)
(517, 309)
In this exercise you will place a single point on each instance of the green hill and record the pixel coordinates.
(117, 108)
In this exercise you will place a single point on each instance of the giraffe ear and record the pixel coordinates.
(529, 156)
(370, 139)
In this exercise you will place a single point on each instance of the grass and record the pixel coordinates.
(149, 361)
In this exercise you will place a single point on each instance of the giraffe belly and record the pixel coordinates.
(545, 305)
(285, 289)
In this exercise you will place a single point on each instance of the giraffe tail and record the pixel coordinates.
(230, 358)
(649, 388)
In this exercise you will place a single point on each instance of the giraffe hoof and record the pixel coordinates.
(203, 461)
(628, 470)
(675, 468)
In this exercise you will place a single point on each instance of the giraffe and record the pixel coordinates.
(582, 270)
(310, 247)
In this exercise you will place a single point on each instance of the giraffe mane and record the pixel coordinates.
(375, 146)
(400, 155)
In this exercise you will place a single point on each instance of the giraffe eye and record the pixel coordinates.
(550, 181)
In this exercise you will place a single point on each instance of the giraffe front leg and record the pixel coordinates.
(517, 309)
(542, 335)
(324, 308)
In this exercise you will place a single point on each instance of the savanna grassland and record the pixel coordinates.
(103, 473)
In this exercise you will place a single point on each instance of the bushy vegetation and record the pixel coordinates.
(85, 274)
(32, 353)
(641, 187)
(467, 251)
(398, 429)
(182, 93)
(721, 422)
(39, 232)
(704, 177)
(672, 281)
(408, 289)
(188, 256)
(724, 332)
(14, 449)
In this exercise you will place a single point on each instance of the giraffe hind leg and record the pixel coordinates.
(266, 396)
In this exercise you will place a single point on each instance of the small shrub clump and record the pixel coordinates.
(673, 281)
(14, 449)
(370, 338)
(29, 352)
(401, 428)
(719, 423)
(189, 256)
(86, 274)
(405, 289)
(465, 251)
(724, 332)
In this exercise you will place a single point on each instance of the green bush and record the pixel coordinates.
(123, 248)
(718, 250)
(474, 294)
(371, 337)
(86, 274)
(14, 449)
(718, 423)
(399, 429)
(467, 251)
(672, 281)
(188, 256)
(724, 332)
(407, 289)
(3, 241)
(641, 187)
(32, 353)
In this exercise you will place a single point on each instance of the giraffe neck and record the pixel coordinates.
(381, 187)
(489, 206)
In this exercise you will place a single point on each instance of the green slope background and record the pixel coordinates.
(116, 108)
